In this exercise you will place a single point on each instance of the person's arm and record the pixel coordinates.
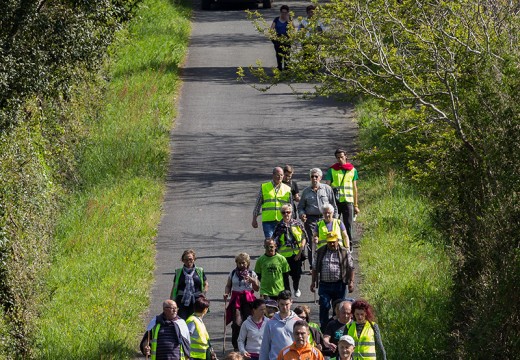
(144, 346)
(379, 342)
(327, 336)
(332, 201)
(345, 238)
(253, 279)
(258, 208)
(354, 190)
(242, 336)
(227, 289)
(301, 207)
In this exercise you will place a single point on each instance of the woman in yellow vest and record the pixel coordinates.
(199, 337)
(290, 238)
(365, 332)
(329, 226)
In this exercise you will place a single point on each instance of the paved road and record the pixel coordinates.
(227, 138)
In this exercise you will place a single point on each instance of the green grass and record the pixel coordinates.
(406, 271)
(104, 251)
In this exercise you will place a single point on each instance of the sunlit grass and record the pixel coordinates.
(406, 270)
(104, 253)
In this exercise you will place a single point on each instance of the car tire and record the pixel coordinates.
(267, 4)
(205, 4)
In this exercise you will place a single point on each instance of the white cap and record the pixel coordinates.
(348, 339)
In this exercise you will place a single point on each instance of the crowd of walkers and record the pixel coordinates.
(316, 225)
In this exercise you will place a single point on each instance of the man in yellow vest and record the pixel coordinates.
(271, 197)
(167, 335)
(342, 176)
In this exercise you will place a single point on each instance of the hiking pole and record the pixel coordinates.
(225, 327)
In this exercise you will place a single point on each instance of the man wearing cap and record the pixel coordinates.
(313, 198)
(300, 348)
(346, 346)
(342, 176)
(272, 196)
(332, 273)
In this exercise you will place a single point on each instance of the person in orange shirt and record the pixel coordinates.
(300, 349)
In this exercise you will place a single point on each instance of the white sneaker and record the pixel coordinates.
(298, 293)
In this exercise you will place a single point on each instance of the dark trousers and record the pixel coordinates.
(296, 271)
(329, 292)
(282, 55)
(346, 210)
(310, 227)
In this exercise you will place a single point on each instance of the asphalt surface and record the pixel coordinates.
(226, 141)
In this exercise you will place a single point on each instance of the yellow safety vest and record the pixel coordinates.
(323, 232)
(288, 251)
(343, 182)
(176, 280)
(153, 348)
(365, 343)
(199, 342)
(274, 200)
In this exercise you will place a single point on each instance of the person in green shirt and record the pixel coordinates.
(273, 271)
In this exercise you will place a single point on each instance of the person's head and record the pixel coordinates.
(341, 156)
(303, 311)
(243, 261)
(258, 308)
(284, 11)
(328, 212)
(310, 10)
(315, 175)
(346, 345)
(345, 312)
(169, 309)
(235, 355)
(188, 258)
(271, 307)
(201, 305)
(288, 172)
(335, 306)
(284, 302)
(270, 247)
(332, 241)
(286, 211)
(301, 333)
(277, 175)
(362, 311)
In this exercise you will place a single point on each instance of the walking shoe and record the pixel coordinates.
(298, 293)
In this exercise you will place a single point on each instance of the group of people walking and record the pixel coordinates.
(296, 227)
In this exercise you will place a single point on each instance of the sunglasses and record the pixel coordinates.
(286, 212)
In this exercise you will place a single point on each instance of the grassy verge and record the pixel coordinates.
(104, 252)
(406, 271)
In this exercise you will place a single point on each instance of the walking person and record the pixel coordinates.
(273, 271)
(288, 172)
(199, 337)
(189, 283)
(335, 328)
(300, 348)
(167, 336)
(272, 196)
(342, 176)
(309, 208)
(281, 26)
(332, 274)
(278, 332)
(252, 331)
(365, 332)
(327, 226)
(315, 334)
(290, 238)
(241, 284)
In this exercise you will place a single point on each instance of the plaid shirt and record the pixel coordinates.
(330, 270)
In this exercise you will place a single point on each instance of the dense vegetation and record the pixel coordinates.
(444, 82)
(61, 126)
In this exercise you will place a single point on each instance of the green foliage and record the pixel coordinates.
(104, 255)
(444, 79)
(405, 268)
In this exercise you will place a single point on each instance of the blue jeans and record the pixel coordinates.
(268, 227)
(329, 292)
